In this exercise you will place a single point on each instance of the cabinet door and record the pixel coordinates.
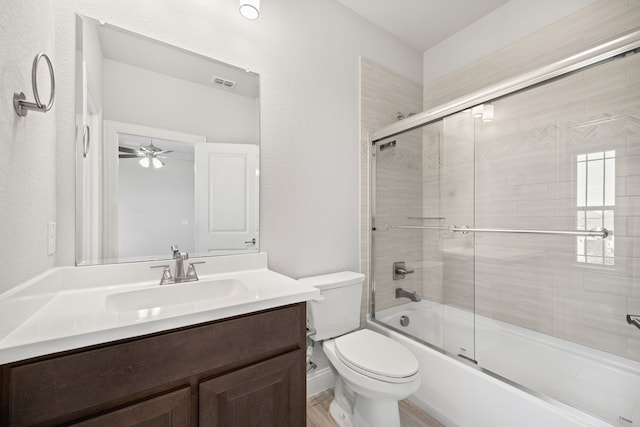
(167, 410)
(267, 394)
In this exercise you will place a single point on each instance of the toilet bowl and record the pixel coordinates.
(374, 372)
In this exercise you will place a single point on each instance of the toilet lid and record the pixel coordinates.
(375, 355)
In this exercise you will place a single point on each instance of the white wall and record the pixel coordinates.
(307, 53)
(155, 208)
(27, 144)
(132, 96)
(93, 57)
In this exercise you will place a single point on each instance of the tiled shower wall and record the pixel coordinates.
(525, 178)
(586, 28)
(384, 94)
(523, 166)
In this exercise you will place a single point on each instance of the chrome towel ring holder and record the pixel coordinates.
(19, 99)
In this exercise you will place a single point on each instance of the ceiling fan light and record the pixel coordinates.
(145, 162)
(157, 163)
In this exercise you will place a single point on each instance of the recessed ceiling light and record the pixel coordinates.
(250, 9)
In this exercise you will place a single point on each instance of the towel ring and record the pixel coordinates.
(19, 99)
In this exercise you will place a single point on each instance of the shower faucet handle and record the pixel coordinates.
(400, 270)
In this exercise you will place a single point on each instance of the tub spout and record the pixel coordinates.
(413, 296)
(634, 319)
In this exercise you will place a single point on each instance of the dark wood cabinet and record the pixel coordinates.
(262, 395)
(243, 371)
(167, 410)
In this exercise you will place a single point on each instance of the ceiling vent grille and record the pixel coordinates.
(223, 82)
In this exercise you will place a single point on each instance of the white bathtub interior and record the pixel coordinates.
(600, 383)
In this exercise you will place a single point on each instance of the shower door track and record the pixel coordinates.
(627, 42)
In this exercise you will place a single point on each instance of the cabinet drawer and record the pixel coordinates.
(93, 380)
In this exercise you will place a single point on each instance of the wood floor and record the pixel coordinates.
(318, 413)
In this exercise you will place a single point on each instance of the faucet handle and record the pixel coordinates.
(167, 277)
(191, 270)
(400, 270)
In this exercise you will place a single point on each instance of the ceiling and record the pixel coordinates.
(422, 23)
(139, 51)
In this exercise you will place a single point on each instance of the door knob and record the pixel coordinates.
(252, 241)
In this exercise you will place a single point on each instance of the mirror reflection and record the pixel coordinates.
(168, 150)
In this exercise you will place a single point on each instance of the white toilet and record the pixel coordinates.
(374, 372)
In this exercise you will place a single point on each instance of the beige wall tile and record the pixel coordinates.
(384, 94)
(519, 171)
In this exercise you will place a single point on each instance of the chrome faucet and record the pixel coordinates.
(413, 296)
(179, 257)
(179, 276)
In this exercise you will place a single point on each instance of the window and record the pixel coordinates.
(596, 190)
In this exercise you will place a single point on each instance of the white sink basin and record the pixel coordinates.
(175, 294)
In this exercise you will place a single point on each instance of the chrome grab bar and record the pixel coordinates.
(601, 232)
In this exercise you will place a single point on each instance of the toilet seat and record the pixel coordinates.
(376, 356)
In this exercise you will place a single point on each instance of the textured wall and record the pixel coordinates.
(307, 55)
(27, 144)
(309, 120)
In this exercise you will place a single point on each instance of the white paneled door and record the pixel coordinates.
(226, 197)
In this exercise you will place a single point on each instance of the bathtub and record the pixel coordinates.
(513, 362)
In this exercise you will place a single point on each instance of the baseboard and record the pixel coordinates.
(320, 380)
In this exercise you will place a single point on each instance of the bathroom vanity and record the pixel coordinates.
(232, 361)
(247, 370)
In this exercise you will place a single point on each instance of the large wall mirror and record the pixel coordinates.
(167, 150)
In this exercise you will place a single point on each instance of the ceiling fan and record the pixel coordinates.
(149, 155)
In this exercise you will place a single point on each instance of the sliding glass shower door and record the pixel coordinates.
(518, 223)
(423, 181)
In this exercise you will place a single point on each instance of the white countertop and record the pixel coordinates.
(57, 312)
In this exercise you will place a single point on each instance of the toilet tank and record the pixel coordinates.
(338, 309)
